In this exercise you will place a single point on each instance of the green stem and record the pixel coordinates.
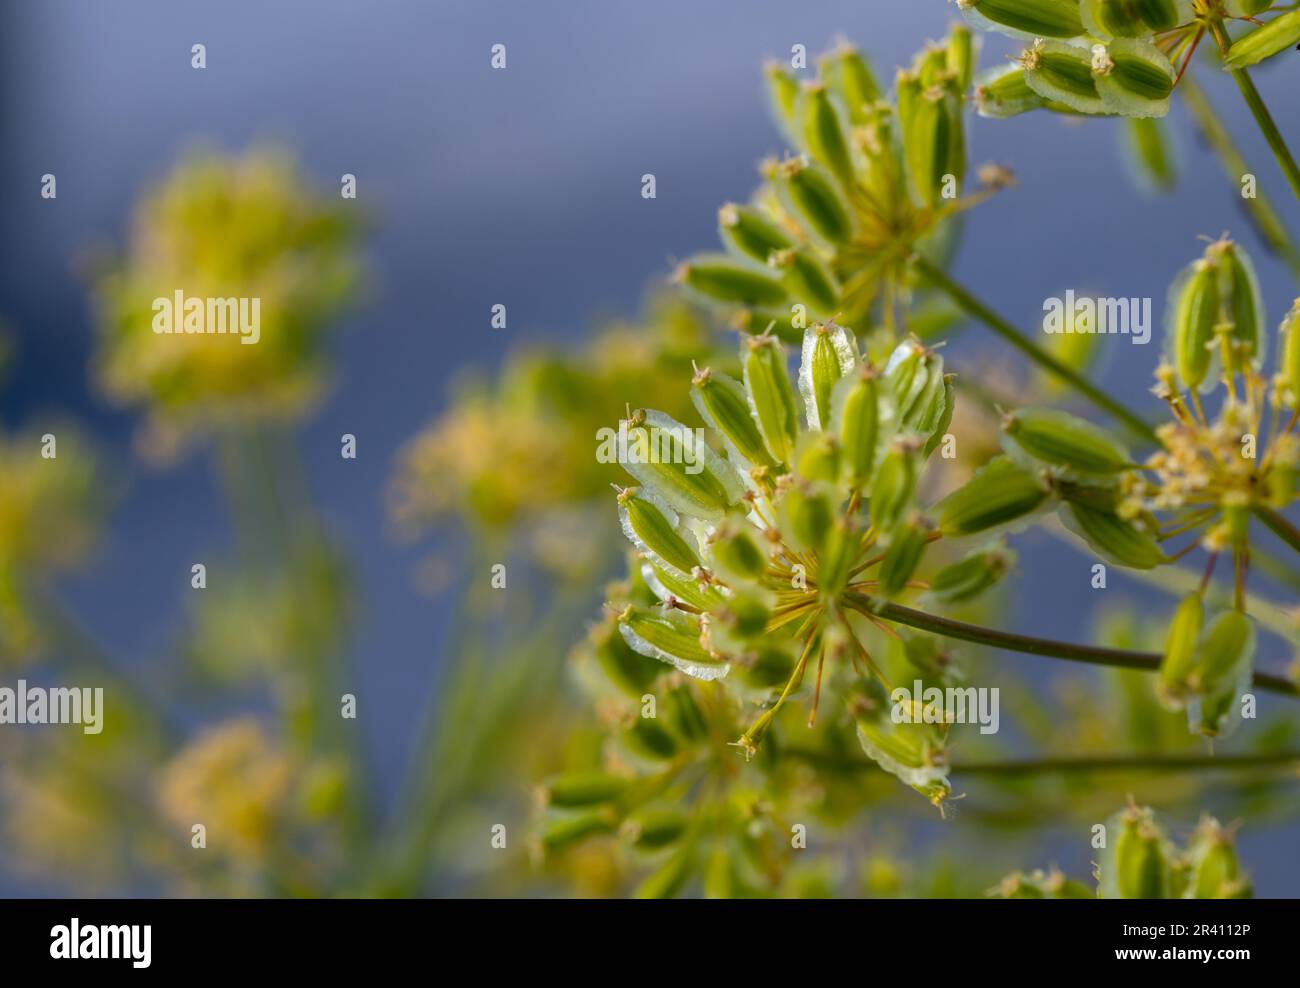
(1268, 224)
(1276, 523)
(1046, 647)
(977, 309)
(1126, 763)
(1263, 118)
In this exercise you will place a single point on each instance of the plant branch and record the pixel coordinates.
(1263, 118)
(1046, 647)
(1126, 763)
(977, 309)
(1278, 524)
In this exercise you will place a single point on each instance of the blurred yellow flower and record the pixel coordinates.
(222, 227)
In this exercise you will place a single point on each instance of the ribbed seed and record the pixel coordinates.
(650, 739)
(783, 91)
(673, 463)
(1225, 653)
(672, 637)
(894, 486)
(1151, 151)
(829, 353)
(813, 197)
(907, 545)
(1063, 440)
(1290, 366)
(1004, 92)
(667, 583)
(1239, 289)
(626, 668)
(840, 552)
(657, 829)
(1112, 18)
(859, 425)
(572, 830)
(823, 131)
(723, 404)
(819, 457)
(1028, 18)
(933, 144)
(1180, 651)
(961, 52)
(1114, 539)
(808, 515)
(771, 396)
(1000, 492)
(1063, 72)
(584, 789)
(720, 278)
(968, 578)
(849, 75)
(737, 553)
(1263, 42)
(1133, 77)
(807, 279)
(654, 527)
(1194, 314)
(748, 231)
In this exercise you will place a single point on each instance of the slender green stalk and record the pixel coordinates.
(1268, 224)
(1047, 647)
(1263, 118)
(977, 309)
(1279, 526)
(1172, 764)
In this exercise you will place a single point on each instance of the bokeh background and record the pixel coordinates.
(520, 187)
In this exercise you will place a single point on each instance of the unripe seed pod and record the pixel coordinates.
(1290, 366)
(859, 425)
(1246, 8)
(849, 75)
(653, 527)
(720, 278)
(907, 545)
(839, 554)
(626, 668)
(751, 233)
(584, 789)
(808, 514)
(1151, 153)
(933, 143)
(1133, 77)
(783, 90)
(737, 553)
(723, 404)
(1215, 867)
(1241, 297)
(1026, 18)
(1225, 655)
(743, 618)
(829, 353)
(675, 463)
(1000, 493)
(649, 739)
(1194, 312)
(670, 878)
(1283, 479)
(667, 584)
(819, 457)
(967, 579)
(917, 382)
(672, 637)
(813, 197)
(894, 487)
(913, 752)
(949, 400)
(1137, 862)
(1057, 70)
(1112, 19)
(572, 830)
(771, 396)
(961, 51)
(1263, 42)
(766, 668)
(823, 131)
(1063, 440)
(1115, 540)
(1004, 92)
(653, 830)
(1180, 652)
(807, 279)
